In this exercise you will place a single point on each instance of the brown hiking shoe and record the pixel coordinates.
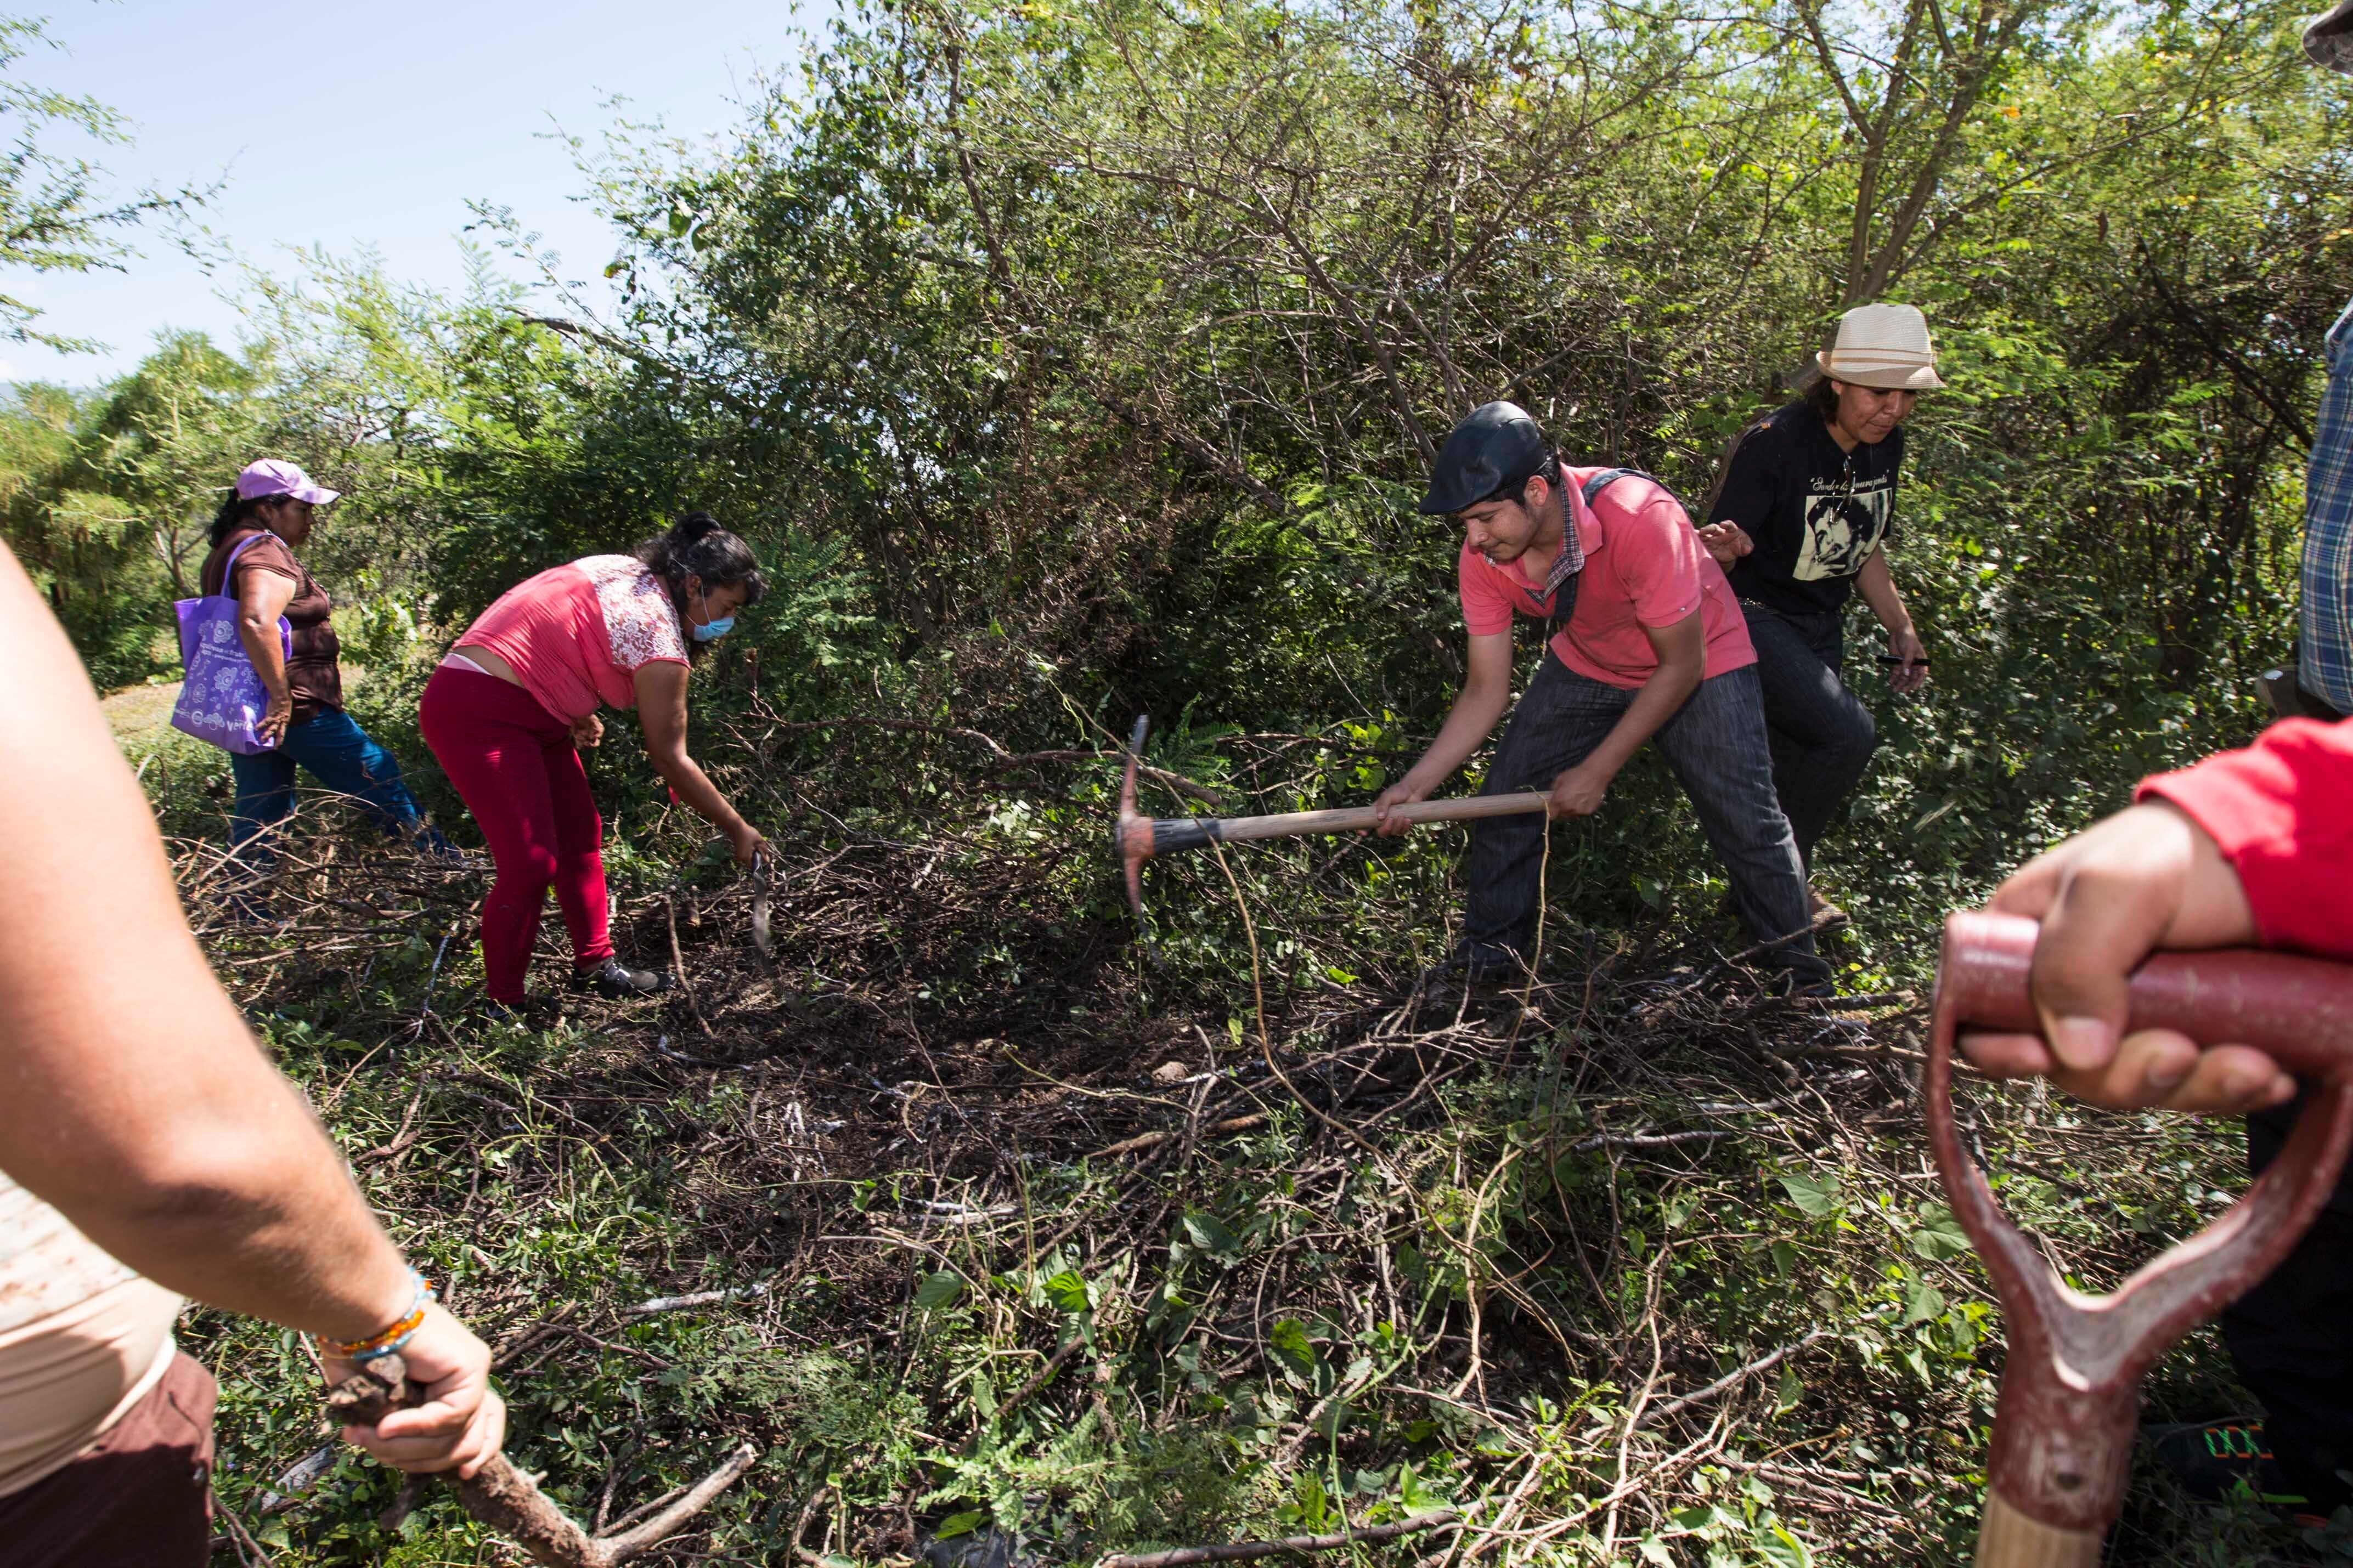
(1821, 913)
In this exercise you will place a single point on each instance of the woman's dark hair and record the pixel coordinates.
(237, 512)
(1823, 398)
(697, 547)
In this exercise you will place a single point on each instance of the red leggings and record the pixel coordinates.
(514, 763)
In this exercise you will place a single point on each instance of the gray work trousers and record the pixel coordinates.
(1717, 746)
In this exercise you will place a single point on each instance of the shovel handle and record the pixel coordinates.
(2008, 1539)
(2296, 1011)
(2064, 1425)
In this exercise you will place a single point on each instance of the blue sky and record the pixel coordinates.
(358, 126)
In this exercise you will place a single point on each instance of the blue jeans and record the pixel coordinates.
(1822, 735)
(1715, 743)
(340, 755)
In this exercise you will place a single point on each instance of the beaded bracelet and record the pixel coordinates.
(390, 1340)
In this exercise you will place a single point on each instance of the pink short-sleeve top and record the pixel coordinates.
(577, 634)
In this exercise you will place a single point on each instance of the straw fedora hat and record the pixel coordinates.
(2329, 37)
(1885, 346)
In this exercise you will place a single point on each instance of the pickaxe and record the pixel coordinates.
(2064, 1428)
(1140, 838)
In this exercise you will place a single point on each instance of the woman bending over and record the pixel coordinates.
(511, 706)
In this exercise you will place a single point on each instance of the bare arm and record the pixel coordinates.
(131, 1097)
(1877, 585)
(661, 710)
(1486, 692)
(1682, 661)
(260, 602)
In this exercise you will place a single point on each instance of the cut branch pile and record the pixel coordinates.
(1630, 1252)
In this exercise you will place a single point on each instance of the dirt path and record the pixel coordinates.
(136, 709)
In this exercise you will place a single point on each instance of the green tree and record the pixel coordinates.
(53, 217)
(109, 494)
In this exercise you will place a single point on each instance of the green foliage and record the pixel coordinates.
(109, 494)
(1111, 344)
(1063, 361)
(51, 217)
(1117, 339)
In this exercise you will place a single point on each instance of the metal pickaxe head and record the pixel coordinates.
(1138, 837)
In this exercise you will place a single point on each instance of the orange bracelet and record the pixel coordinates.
(391, 1339)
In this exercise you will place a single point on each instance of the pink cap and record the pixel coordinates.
(274, 476)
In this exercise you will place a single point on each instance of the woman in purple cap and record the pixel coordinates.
(269, 515)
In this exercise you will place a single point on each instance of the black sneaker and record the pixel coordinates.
(1466, 967)
(2212, 1459)
(438, 853)
(616, 982)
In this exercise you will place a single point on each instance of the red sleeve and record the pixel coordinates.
(2282, 810)
(1487, 608)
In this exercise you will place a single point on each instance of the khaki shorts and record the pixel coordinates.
(142, 1498)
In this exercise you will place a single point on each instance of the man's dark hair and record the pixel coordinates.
(1517, 490)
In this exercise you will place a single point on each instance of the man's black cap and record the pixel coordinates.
(1498, 444)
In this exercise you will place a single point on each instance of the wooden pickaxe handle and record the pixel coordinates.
(2070, 1399)
(1136, 838)
(1158, 836)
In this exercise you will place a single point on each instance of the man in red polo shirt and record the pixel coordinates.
(1648, 645)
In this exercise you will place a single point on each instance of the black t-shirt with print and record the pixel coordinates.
(1814, 512)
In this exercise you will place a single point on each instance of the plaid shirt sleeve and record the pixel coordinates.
(2325, 626)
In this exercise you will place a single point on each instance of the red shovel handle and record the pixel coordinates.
(2296, 1011)
(2069, 1388)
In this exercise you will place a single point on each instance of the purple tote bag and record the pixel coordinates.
(221, 700)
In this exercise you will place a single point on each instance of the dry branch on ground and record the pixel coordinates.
(1585, 1255)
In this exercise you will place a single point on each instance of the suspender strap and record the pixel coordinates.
(1608, 477)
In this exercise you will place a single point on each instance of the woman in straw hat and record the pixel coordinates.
(1800, 523)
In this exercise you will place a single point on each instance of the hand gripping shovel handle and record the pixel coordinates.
(2070, 1387)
